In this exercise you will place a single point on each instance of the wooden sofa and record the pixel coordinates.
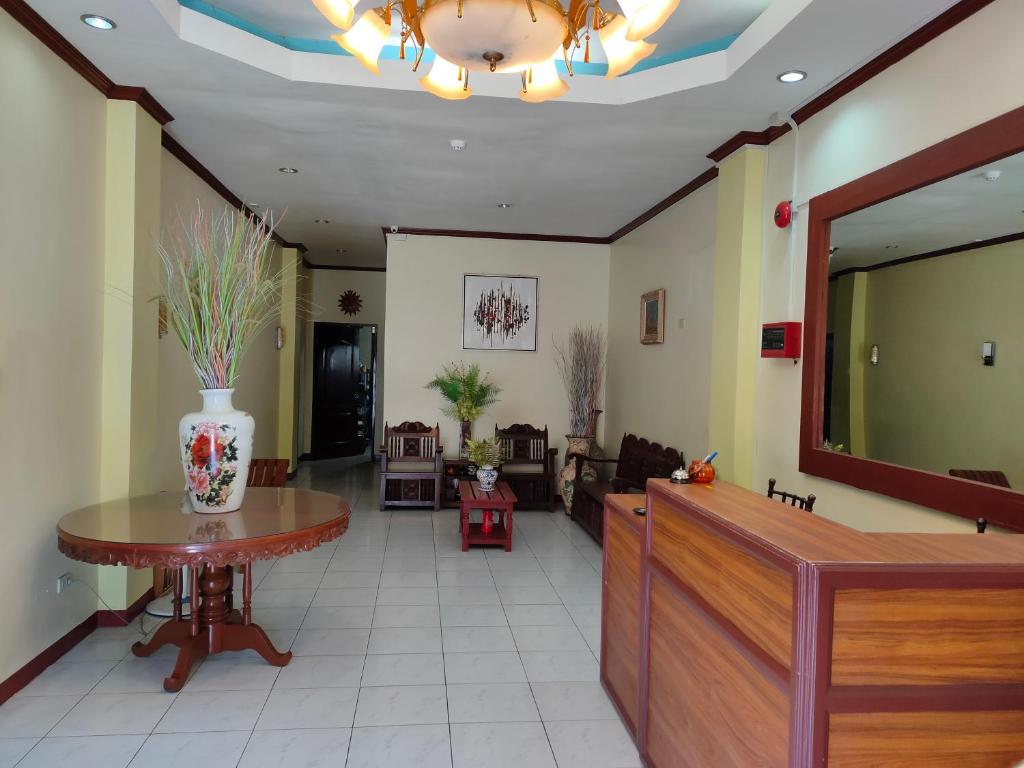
(638, 461)
(529, 464)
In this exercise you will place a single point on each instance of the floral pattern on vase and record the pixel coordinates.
(567, 475)
(216, 446)
(487, 476)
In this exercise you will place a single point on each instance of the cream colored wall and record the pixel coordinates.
(51, 292)
(257, 387)
(968, 75)
(424, 326)
(930, 403)
(326, 286)
(661, 391)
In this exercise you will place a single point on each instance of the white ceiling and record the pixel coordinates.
(371, 156)
(953, 212)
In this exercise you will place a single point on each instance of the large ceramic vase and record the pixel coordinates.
(216, 446)
(577, 444)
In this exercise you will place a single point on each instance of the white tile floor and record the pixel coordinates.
(408, 653)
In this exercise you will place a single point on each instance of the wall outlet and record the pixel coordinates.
(64, 581)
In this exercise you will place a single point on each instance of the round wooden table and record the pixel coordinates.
(162, 530)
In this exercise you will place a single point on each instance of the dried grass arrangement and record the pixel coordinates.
(219, 287)
(581, 362)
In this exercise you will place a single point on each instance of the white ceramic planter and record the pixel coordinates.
(486, 476)
(216, 446)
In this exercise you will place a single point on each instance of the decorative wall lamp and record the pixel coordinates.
(279, 338)
(988, 353)
(874, 354)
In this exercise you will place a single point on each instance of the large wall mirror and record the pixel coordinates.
(914, 377)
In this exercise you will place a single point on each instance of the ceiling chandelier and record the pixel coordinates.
(526, 37)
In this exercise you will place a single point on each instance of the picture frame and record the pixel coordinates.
(652, 317)
(499, 312)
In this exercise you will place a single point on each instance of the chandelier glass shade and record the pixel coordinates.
(526, 37)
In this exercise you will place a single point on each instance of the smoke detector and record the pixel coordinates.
(992, 175)
(457, 145)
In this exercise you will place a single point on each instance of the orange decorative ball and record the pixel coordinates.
(701, 472)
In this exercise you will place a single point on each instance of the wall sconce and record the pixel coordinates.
(988, 353)
(279, 338)
(874, 354)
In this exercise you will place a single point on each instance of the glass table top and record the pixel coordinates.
(168, 519)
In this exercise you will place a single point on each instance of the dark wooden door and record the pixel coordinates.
(342, 389)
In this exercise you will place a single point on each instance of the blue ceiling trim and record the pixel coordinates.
(391, 52)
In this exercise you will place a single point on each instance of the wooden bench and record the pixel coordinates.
(639, 460)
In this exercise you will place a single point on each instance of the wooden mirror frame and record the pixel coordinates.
(986, 143)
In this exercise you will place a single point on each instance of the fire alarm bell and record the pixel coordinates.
(783, 214)
(780, 340)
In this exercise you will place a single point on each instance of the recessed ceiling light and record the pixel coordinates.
(98, 22)
(339, 251)
(892, 247)
(457, 145)
(288, 170)
(321, 221)
(504, 205)
(791, 76)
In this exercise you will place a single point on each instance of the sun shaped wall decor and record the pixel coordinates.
(350, 302)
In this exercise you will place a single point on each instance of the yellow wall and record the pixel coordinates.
(929, 96)
(326, 286)
(424, 327)
(735, 337)
(660, 391)
(930, 403)
(257, 388)
(53, 130)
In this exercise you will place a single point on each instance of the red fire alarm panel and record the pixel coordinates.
(780, 340)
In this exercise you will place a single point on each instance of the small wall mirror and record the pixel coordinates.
(918, 285)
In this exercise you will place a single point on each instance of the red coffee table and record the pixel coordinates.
(501, 500)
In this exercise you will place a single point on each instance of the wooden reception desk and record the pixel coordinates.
(761, 635)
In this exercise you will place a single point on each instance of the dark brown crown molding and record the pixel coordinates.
(972, 246)
(745, 138)
(143, 98)
(22, 13)
(684, 191)
(340, 268)
(899, 51)
(922, 36)
(497, 235)
(189, 161)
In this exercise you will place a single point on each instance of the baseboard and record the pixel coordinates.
(34, 668)
(107, 618)
(305, 456)
(292, 475)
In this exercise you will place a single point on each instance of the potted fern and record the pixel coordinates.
(220, 290)
(487, 456)
(468, 393)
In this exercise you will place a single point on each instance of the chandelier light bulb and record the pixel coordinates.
(338, 12)
(543, 83)
(646, 17)
(622, 54)
(366, 39)
(445, 81)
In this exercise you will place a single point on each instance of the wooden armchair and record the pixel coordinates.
(411, 468)
(529, 464)
(805, 503)
(639, 460)
(989, 476)
(267, 473)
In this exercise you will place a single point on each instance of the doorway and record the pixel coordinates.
(344, 389)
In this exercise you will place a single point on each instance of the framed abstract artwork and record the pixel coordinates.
(499, 312)
(652, 317)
